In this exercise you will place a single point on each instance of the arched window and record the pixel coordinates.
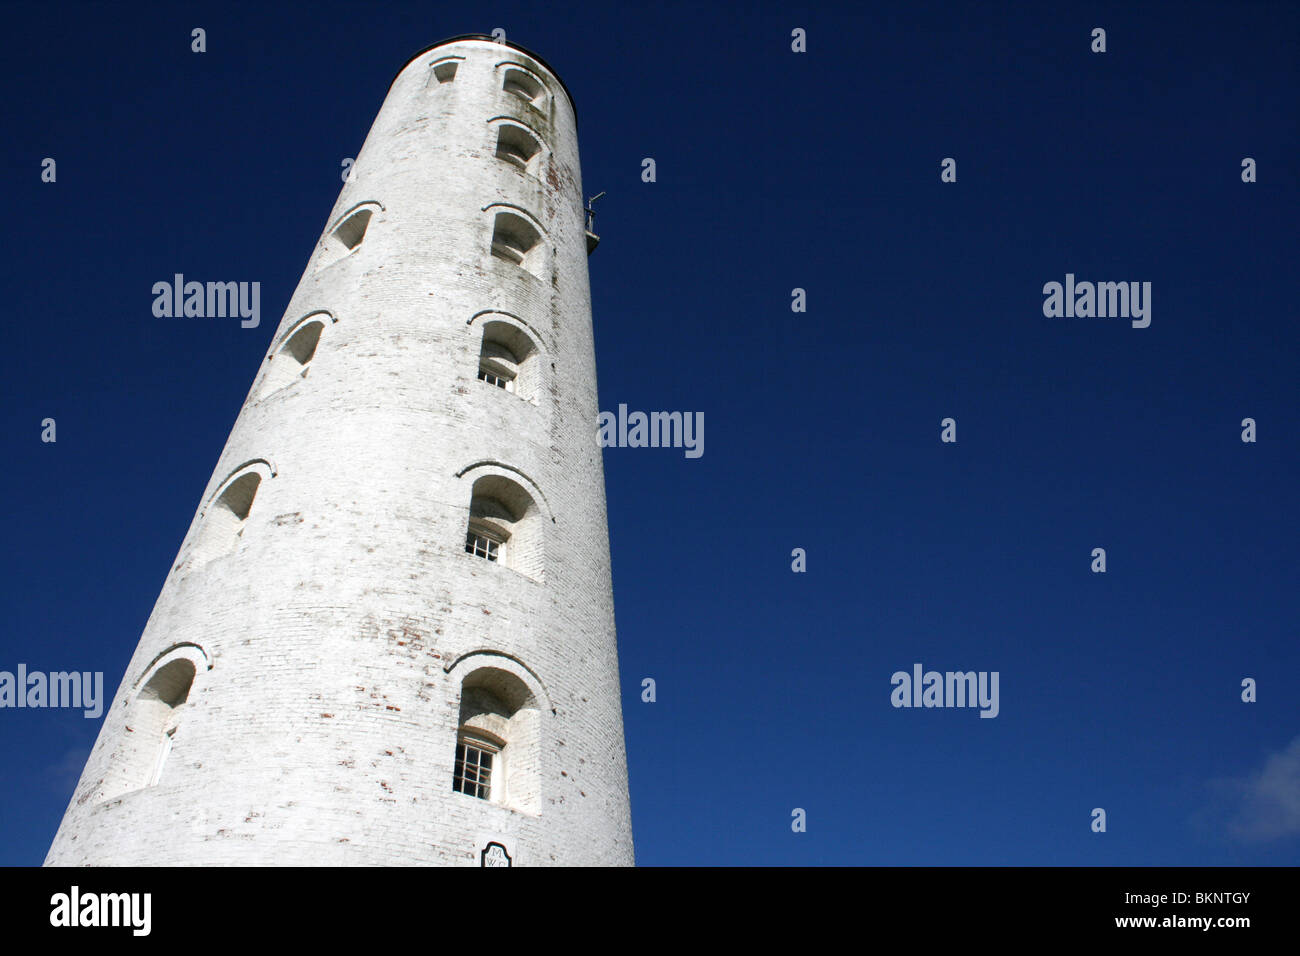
(509, 360)
(518, 241)
(505, 526)
(159, 711)
(348, 234)
(222, 522)
(524, 85)
(517, 146)
(444, 70)
(498, 366)
(352, 230)
(153, 720)
(290, 361)
(513, 238)
(498, 741)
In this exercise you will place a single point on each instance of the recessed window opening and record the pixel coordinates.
(150, 727)
(510, 359)
(520, 84)
(153, 719)
(348, 236)
(516, 146)
(222, 524)
(445, 71)
(516, 240)
(498, 741)
(497, 365)
(237, 499)
(352, 230)
(290, 362)
(505, 526)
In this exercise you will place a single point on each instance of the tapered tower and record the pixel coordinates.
(388, 637)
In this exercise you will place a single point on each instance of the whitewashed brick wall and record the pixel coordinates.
(322, 730)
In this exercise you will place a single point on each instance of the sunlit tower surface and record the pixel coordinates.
(388, 636)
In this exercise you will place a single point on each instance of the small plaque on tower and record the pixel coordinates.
(494, 854)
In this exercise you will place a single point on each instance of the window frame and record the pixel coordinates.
(467, 739)
(497, 377)
(479, 529)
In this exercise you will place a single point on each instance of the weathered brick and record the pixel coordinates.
(322, 722)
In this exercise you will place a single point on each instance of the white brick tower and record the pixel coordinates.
(388, 637)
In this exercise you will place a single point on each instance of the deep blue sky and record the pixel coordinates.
(775, 170)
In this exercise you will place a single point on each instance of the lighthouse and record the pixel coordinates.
(388, 635)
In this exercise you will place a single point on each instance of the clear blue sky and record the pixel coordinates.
(775, 170)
